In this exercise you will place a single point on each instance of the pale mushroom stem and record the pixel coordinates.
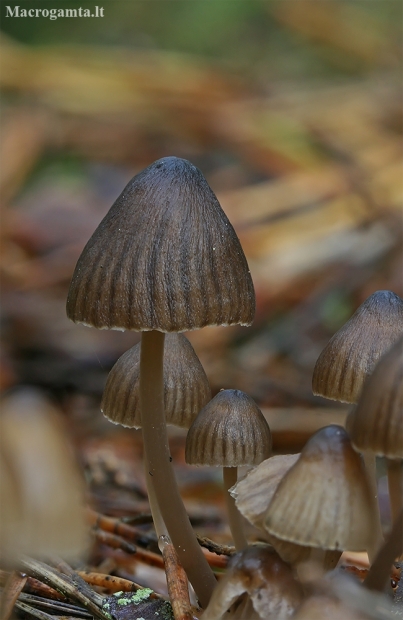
(160, 471)
(159, 525)
(230, 475)
(395, 484)
(370, 466)
(379, 573)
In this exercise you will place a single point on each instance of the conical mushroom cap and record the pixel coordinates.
(377, 424)
(253, 495)
(324, 500)
(229, 431)
(165, 257)
(186, 387)
(351, 355)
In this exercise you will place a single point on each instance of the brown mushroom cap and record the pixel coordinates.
(377, 424)
(268, 581)
(253, 495)
(165, 257)
(229, 431)
(351, 355)
(324, 500)
(186, 387)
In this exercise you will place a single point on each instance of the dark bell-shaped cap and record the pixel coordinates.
(186, 387)
(351, 355)
(165, 257)
(229, 431)
(377, 423)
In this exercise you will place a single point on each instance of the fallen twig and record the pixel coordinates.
(111, 583)
(178, 585)
(69, 585)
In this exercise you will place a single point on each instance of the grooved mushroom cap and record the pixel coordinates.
(350, 356)
(253, 495)
(324, 500)
(165, 257)
(229, 431)
(186, 387)
(377, 423)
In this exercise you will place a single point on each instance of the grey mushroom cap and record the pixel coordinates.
(186, 387)
(165, 257)
(229, 431)
(352, 353)
(377, 423)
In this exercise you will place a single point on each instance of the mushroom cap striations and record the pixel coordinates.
(186, 387)
(165, 257)
(229, 431)
(351, 355)
(324, 500)
(377, 424)
(253, 495)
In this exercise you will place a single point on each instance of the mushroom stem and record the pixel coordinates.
(395, 484)
(230, 475)
(379, 573)
(162, 478)
(370, 466)
(159, 525)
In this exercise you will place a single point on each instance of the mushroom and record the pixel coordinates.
(253, 495)
(186, 387)
(164, 259)
(324, 500)
(230, 431)
(186, 391)
(351, 355)
(377, 422)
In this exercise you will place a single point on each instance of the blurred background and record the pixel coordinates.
(291, 109)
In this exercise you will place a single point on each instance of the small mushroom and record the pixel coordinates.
(377, 423)
(186, 391)
(352, 353)
(253, 495)
(186, 387)
(324, 500)
(230, 431)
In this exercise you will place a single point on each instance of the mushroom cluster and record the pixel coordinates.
(314, 505)
(165, 260)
